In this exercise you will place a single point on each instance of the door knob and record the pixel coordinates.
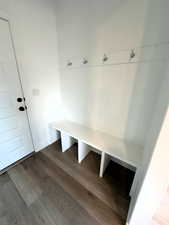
(19, 99)
(21, 108)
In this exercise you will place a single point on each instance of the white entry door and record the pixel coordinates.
(15, 138)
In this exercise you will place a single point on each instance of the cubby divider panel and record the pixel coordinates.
(58, 135)
(67, 141)
(83, 150)
(105, 159)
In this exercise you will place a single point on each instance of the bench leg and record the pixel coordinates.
(67, 141)
(53, 134)
(105, 159)
(135, 182)
(83, 150)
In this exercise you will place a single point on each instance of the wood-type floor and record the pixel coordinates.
(51, 188)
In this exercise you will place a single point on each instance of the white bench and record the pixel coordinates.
(127, 154)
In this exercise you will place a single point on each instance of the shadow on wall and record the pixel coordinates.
(149, 76)
(118, 99)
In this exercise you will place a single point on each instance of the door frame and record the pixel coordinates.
(5, 17)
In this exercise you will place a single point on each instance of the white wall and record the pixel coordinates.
(161, 216)
(154, 177)
(34, 32)
(116, 99)
(157, 18)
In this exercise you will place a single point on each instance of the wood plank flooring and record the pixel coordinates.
(51, 188)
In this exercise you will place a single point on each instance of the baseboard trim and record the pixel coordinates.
(16, 163)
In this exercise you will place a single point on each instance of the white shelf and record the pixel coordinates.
(128, 153)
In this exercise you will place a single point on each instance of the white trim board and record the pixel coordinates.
(126, 152)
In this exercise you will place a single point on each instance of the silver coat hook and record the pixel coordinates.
(132, 54)
(69, 63)
(85, 61)
(105, 58)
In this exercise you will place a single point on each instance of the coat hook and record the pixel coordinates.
(69, 63)
(85, 61)
(105, 58)
(132, 54)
